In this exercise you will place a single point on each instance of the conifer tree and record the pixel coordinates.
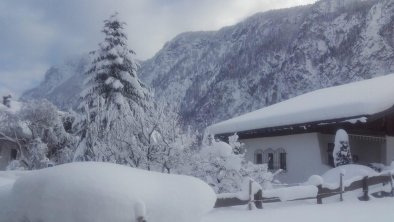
(341, 153)
(114, 101)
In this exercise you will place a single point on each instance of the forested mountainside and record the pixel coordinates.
(267, 58)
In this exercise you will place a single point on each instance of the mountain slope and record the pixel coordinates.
(273, 56)
(265, 59)
(62, 84)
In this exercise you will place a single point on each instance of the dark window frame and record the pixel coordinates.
(274, 158)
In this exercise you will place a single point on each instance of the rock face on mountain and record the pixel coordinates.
(62, 84)
(270, 57)
(273, 56)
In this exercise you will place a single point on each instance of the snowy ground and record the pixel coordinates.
(379, 210)
(101, 192)
(375, 210)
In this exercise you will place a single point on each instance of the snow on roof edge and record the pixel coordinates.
(362, 98)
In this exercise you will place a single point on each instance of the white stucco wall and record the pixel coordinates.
(389, 149)
(303, 155)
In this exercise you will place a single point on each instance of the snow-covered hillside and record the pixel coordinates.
(267, 58)
(273, 56)
(62, 83)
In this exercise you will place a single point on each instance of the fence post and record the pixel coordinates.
(319, 194)
(365, 196)
(391, 183)
(341, 186)
(250, 195)
(258, 199)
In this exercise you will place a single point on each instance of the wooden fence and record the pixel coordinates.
(257, 198)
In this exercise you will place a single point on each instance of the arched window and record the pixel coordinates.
(275, 159)
(269, 158)
(258, 157)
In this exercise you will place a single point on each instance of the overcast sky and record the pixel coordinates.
(36, 34)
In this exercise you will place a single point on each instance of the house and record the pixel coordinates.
(297, 135)
(9, 150)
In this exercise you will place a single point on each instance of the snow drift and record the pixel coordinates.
(102, 192)
(351, 173)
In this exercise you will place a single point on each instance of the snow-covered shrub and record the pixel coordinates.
(341, 153)
(15, 165)
(218, 166)
(47, 139)
(238, 147)
(225, 170)
(37, 154)
(38, 132)
(259, 173)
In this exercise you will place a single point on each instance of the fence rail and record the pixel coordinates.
(257, 198)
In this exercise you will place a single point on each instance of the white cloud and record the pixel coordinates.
(15, 81)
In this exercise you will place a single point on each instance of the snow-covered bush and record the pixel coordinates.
(341, 152)
(259, 173)
(225, 170)
(103, 192)
(238, 147)
(37, 152)
(47, 139)
(38, 132)
(15, 165)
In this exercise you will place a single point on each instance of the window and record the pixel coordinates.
(330, 150)
(282, 161)
(13, 154)
(275, 159)
(259, 157)
(270, 161)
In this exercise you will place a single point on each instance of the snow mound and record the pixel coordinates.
(315, 180)
(102, 192)
(292, 193)
(9, 177)
(350, 171)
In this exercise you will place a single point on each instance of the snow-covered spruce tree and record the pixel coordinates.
(341, 152)
(115, 103)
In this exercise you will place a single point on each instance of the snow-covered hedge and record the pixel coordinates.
(102, 192)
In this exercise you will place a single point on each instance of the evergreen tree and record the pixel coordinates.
(341, 153)
(115, 103)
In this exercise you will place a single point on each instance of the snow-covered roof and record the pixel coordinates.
(355, 99)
